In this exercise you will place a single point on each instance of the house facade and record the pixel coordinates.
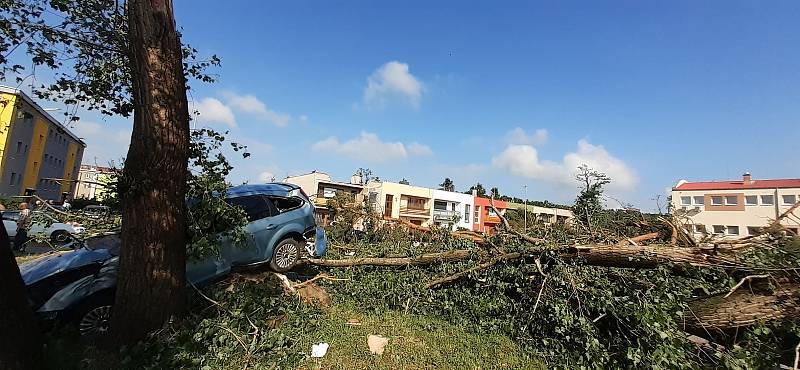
(38, 155)
(484, 219)
(91, 182)
(401, 202)
(452, 210)
(544, 215)
(320, 189)
(736, 208)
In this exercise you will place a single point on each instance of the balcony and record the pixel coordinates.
(444, 215)
(492, 219)
(320, 202)
(415, 212)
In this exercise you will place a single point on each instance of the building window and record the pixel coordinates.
(491, 212)
(719, 229)
(700, 229)
(19, 147)
(416, 203)
(767, 200)
(466, 212)
(731, 200)
(13, 178)
(751, 200)
(789, 199)
(328, 192)
(477, 213)
(733, 230)
(699, 200)
(753, 230)
(716, 200)
(686, 201)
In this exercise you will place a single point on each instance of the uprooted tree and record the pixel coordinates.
(637, 291)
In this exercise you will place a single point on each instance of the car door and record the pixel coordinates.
(286, 218)
(258, 210)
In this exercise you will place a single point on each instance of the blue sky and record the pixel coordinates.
(509, 95)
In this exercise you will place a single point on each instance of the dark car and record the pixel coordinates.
(79, 286)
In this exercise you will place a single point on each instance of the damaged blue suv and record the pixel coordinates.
(79, 286)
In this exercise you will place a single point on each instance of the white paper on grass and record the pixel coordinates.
(319, 349)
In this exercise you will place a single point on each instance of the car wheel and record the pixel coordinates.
(59, 236)
(285, 255)
(95, 322)
(93, 316)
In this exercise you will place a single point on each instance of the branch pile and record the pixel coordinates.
(678, 251)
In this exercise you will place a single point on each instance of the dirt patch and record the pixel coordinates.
(314, 294)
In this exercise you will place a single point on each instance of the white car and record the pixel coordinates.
(58, 232)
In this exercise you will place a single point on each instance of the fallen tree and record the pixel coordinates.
(744, 307)
(628, 301)
(649, 256)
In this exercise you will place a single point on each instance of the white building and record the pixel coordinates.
(452, 210)
(736, 208)
(320, 188)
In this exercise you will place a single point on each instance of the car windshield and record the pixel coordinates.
(110, 242)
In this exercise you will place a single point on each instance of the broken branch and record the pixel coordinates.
(746, 278)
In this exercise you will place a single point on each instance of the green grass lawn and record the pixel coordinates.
(415, 342)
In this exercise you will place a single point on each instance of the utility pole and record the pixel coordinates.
(525, 228)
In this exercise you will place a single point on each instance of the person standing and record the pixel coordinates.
(22, 227)
(66, 205)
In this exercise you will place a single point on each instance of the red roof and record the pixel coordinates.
(740, 185)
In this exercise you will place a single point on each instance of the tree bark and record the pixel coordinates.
(153, 255)
(20, 340)
(649, 256)
(745, 306)
(425, 259)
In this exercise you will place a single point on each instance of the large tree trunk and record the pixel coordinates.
(425, 259)
(744, 307)
(20, 340)
(153, 254)
(650, 256)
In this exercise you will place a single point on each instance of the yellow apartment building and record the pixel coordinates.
(37, 153)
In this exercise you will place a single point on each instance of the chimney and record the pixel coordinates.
(746, 178)
(474, 192)
(355, 179)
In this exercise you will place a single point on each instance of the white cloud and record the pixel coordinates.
(524, 161)
(369, 147)
(392, 81)
(250, 104)
(105, 142)
(416, 148)
(518, 136)
(211, 110)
